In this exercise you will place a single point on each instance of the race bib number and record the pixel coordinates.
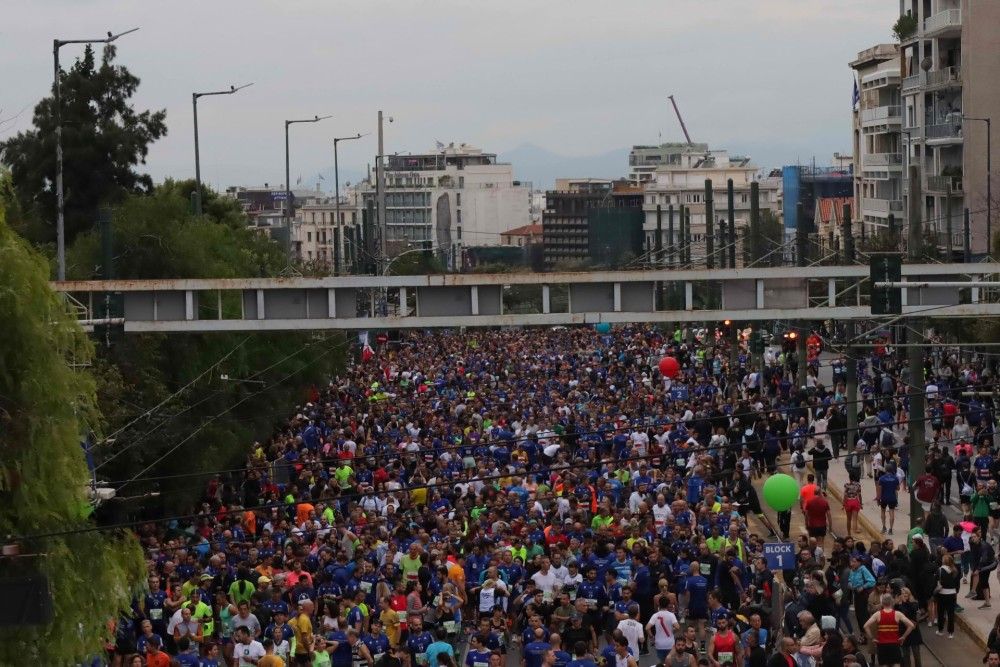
(156, 614)
(547, 596)
(401, 615)
(366, 586)
(378, 656)
(450, 627)
(705, 568)
(726, 658)
(591, 602)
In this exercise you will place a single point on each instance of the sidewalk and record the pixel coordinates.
(975, 622)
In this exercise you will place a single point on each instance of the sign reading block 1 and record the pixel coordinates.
(780, 555)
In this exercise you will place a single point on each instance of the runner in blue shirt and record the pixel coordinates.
(696, 587)
(887, 496)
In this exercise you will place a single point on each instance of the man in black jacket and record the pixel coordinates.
(821, 456)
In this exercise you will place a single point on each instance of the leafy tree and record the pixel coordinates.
(211, 424)
(104, 138)
(416, 264)
(46, 405)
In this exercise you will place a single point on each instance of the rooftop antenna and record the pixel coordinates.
(680, 120)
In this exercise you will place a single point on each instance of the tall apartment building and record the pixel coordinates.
(950, 66)
(683, 183)
(591, 220)
(317, 229)
(451, 198)
(878, 146)
(644, 160)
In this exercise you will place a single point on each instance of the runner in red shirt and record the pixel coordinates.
(818, 517)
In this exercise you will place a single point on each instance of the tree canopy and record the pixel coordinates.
(47, 404)
(104, 139)
(212, 422)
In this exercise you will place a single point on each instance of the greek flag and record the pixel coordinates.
(855, 96)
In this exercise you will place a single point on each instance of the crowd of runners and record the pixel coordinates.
(547, 497)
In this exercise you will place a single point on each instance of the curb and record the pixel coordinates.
(874, 534)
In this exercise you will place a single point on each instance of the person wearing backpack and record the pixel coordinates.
(798, 464)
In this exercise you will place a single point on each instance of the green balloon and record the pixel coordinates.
(603, 327)
(781, 492)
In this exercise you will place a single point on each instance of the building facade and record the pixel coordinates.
(878, 138)
(451, 198)
(807, 184)
(950, 65)
(643, 161)
(683, 184)
(591, 220)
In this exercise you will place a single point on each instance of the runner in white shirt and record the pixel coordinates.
(661, 512)
(247, 650)
(662, 628)
(545, 579)
(631, 628)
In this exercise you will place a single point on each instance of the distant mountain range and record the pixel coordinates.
(542, 167)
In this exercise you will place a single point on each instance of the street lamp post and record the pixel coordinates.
(60, 206)
(989, 190)
(336, 177)
(288, 183)
(197, 157)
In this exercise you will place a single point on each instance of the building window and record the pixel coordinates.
(458, 216)
(309, 237)
(459, 231)
(743, 199)
(461, 181)
(458, 199)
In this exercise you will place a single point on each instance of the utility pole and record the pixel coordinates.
(732, 223)
(670, 235)
(709, 225)
(754, 223)
(966, 248)
(383, 229)
(917, 427)
(687, 237)
(197, 154)
(658, 249)
(802, 260)
(852, 329)
(289, 199)
(948, 228)
(57, 102)
(336, 184)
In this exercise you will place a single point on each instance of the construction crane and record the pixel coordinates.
(681, 120)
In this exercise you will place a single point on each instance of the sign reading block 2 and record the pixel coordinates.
(780, 555)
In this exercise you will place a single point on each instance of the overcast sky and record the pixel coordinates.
(575, 77)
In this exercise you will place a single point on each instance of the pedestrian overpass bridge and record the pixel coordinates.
(528, 299)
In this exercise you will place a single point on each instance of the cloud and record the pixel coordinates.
(578, 77)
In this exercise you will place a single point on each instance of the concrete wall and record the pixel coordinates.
(980, 99)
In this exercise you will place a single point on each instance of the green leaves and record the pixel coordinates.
(104, 139)
(47, 407)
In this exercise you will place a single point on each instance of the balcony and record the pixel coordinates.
(943, 23)
(912, 83)
(885, 206)
(882, 160)
(881, 115)
(944, 133)
(948, 76)
(941, 184)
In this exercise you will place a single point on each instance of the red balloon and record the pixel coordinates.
(669, 367)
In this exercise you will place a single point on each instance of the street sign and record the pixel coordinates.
(780, 555)
(886, 267)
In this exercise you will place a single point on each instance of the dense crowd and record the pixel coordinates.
(548, 496)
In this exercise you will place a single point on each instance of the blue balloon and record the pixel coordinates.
(603, 327)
